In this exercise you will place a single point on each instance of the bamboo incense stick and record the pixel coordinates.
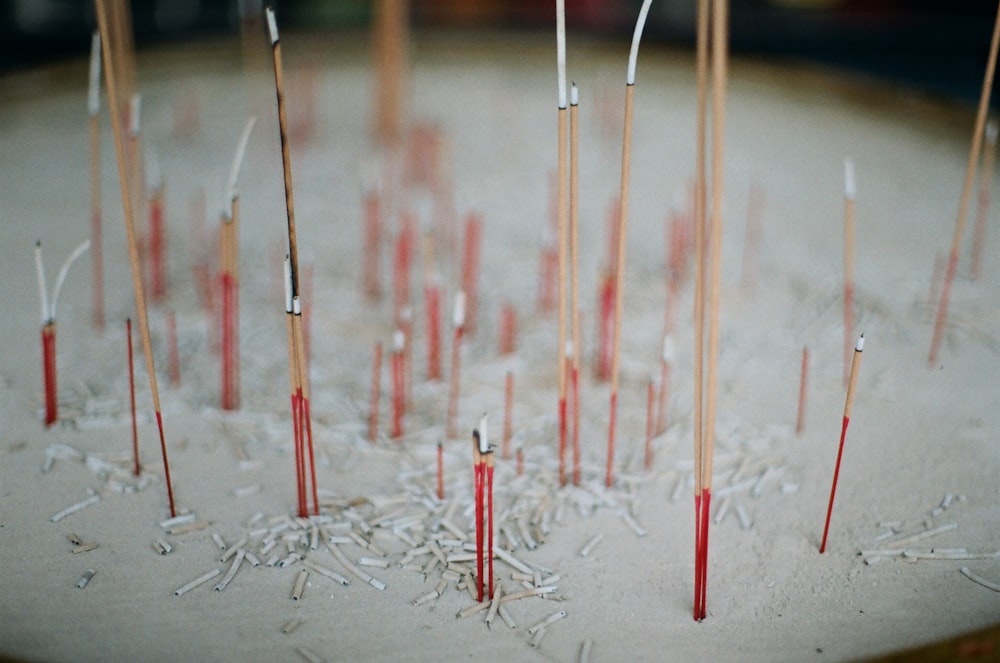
(621, 232)
(849, 196)
(983, 198)
(478, 471)
(562, 212)
(574, 273)
(137, 285)
(136, 469)
(295, 393)
(848, 403)
(432, 310)
(373, 245)
(490, 463)
(94, 126)
(398, 384)
(703, 18)
(963, 204)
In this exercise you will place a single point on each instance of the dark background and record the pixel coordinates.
(935, 46)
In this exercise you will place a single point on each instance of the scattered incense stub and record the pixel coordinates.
(200, 580)
(85, 578)
(974, 577)
(93, 499)
(290, 626)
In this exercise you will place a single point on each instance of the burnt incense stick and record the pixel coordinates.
(94, 127)
(983, 198)
(849, 196)
(622, 232)
(963, 205)
(48, 330)
(848, 403)
(490, 463)
(136, 468)
(458, 322)
(562, 218)
(137, 284)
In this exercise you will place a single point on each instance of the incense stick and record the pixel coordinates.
(94, 125)
(173, 352)
(508, 414)
(375, 394)
(562, 212)
(848, 403)
(136, 469)
(622, 228)
(137, 285)
(398, 384)
(458, 322)
(983, 197)
(800, 418)
(574, 272)
(849, 196)
(963, 204)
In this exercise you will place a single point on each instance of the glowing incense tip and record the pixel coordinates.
(135, 110)
(43, 296)
(272, 25)
(574, 95)
(849, 187)
(861, 344)
(668, 352)
(561, 49)
(991, 132)
(241, 148)
(61, 277)
(484, 436)
(398, 340)
(288, 284)
(458, 318)
(633, 54)
(94, 90)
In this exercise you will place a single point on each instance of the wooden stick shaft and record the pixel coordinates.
(848, 282)
(286, 161)
(963, 204)
(983, 199)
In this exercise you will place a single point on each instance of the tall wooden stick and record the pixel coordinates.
(963, 203)
(562, 207)
(622, 228)
(136, 468)
(137, 285)
(574, 272)
(848, 402)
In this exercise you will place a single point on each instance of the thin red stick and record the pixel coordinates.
(478, 477)
(174, 360)
(49, 373)
(508, 329)
(136, 469)
(373, 246)
(470, 270)
(519, 455)
(489, 518)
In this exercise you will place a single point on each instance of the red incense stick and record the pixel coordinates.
(573, 397)
(478, 471)
(562, 220)
(855, 365)
(136, 469)
(157, 243)
(432, 311)
(490, 461)
(373, 245)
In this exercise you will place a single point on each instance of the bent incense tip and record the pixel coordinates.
(241, 149)
(63, 271)
(43, 296)
(633, 54)
(850, 190)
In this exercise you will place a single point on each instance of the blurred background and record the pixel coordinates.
(934, 46)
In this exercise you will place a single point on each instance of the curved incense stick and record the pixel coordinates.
(63, 271)
(622, 227)
(241, 148)
(963, 204)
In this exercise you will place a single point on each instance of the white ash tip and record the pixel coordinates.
(561, 50)
(668, 352)
(484, 435)
(288, 284)
(861, 343)
(272, 25)
(633, 54)
(459, 316)
(135, 110)
(574, 95)
(296, 305)
(850, 189)
(398, 340)
(94, 89)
